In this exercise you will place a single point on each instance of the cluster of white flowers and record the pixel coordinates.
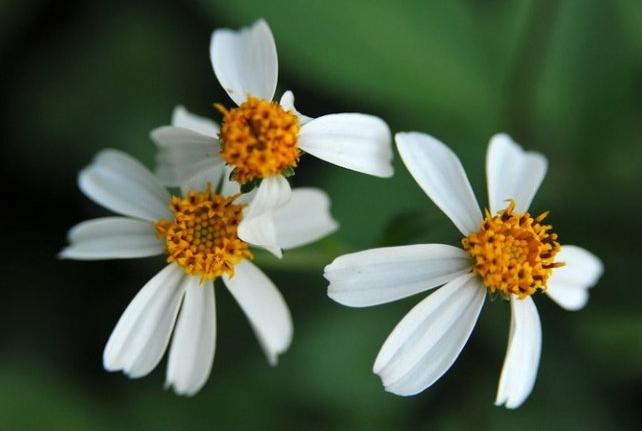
(235, 194)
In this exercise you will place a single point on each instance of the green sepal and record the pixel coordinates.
(250, 185)
(288, 172)
(495, 296)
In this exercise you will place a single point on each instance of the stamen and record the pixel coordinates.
(513, 253)
(258, 139)
(202, 238)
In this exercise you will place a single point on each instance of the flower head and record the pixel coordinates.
(198, 233)
(262, 140)
(245, 63)
(514, 254)
(259, 139)
(506, 252)
(202, 238)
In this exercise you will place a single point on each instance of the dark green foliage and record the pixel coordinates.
(563, 78)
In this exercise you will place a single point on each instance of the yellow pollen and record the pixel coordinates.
(202, 237)
(258, 139)
(513, 253)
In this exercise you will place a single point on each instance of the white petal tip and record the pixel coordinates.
(109, 365)
(136, 374)
(157, 135)
(384, 172)
(246, 236)
(273, 360)
(110, 368)
(399, 393)
(582, 298)
(339, 299)
(179, 110)
(389, 386)
(500, 400)
(400, 136)
(378, 366)
(261, 22)
(273, 357)
(70, 253)
(183, 392)
(502, 137)
(276, 252)
(508, 404)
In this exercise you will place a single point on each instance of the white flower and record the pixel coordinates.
(260, 139)
(198, 234)
(510, 254)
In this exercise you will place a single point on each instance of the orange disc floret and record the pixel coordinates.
(514, 253)
(202, 238)
(258, 139)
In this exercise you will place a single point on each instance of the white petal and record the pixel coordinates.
(522, 357)
(439, 173)
(258, 226)
(112, 238)
(355, 141)
(142, 333)
(568, 285)
(184, 139)
(185, 155)
(304, 219)
(387, 274)
(428, 340)
(229, 187)
(264, 307)
(245, 61)
(287, 103)
(118, 182)
(192, 352)
(210, 177)
(181, 117)
(512, 174)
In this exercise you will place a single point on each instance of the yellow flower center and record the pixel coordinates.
(202, 237)
(513, 253)
(258, 139)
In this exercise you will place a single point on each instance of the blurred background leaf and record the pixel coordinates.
(564, 78)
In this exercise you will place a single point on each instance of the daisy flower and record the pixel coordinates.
(198, 233)
(505, 252)
(261, 139)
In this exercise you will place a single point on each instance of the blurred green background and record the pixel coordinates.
(562, 77)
